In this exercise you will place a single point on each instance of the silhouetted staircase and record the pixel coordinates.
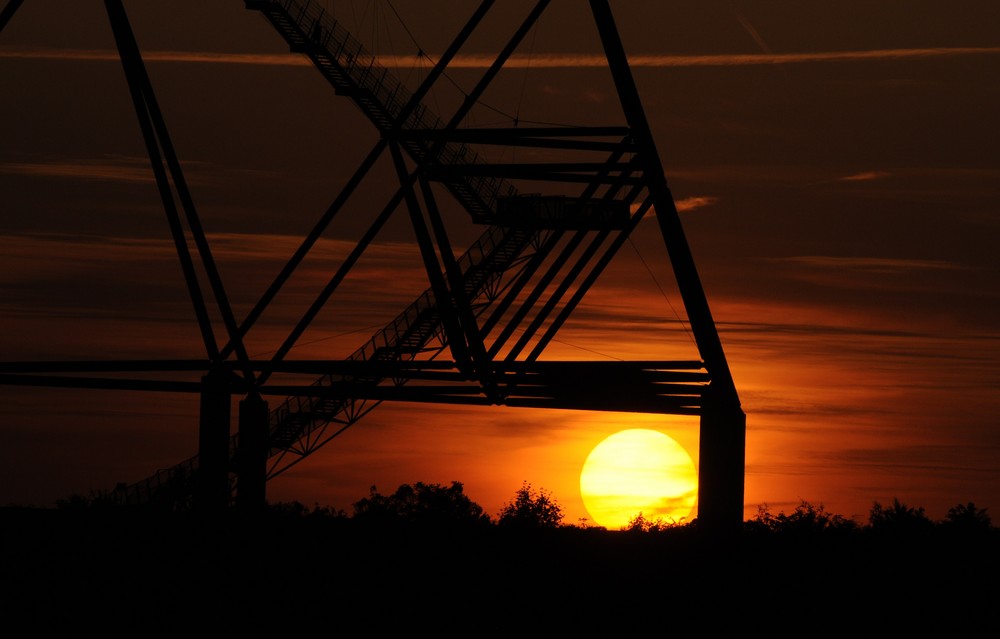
(354, 71)
(404, 338)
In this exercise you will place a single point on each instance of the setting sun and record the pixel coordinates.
(638, 470)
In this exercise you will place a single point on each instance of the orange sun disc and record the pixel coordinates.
(639, 470)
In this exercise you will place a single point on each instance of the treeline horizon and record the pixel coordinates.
(427, 556)
(436, 505)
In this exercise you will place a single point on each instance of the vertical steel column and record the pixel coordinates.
(251, 457)
(722, 462)
(723, 423)
(212, 480)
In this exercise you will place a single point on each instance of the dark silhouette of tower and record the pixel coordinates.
(478, 334)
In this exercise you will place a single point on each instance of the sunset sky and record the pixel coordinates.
(836, 166)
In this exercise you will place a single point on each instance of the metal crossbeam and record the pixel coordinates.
(670, 387)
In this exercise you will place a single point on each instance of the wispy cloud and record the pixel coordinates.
(685, 204)
(108, 55)
(105, 170)
(122, 169)
(696, 202)
(744, 59)
(864, 176)
(575, 61)
(868, 264)
(536, 61)
(913, 457)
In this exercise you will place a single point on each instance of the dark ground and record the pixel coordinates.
(128, 573)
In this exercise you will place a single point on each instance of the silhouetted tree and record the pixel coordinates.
(531, 509)
(421, 504)
(641, 523)
(898, 518)
(296, 509)
(967, 518)
(805, 519)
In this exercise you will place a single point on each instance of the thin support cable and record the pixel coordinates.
(662, 292)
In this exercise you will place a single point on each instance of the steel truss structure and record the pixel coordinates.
(476, 336)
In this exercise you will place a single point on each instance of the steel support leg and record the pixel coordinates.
(212, 488)
(721, 467)
(251, 457)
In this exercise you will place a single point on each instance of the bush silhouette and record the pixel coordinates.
(898, 518)
(531, 509)
(967, 518)
(421, 504)
(805, 519)
(641, 523)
